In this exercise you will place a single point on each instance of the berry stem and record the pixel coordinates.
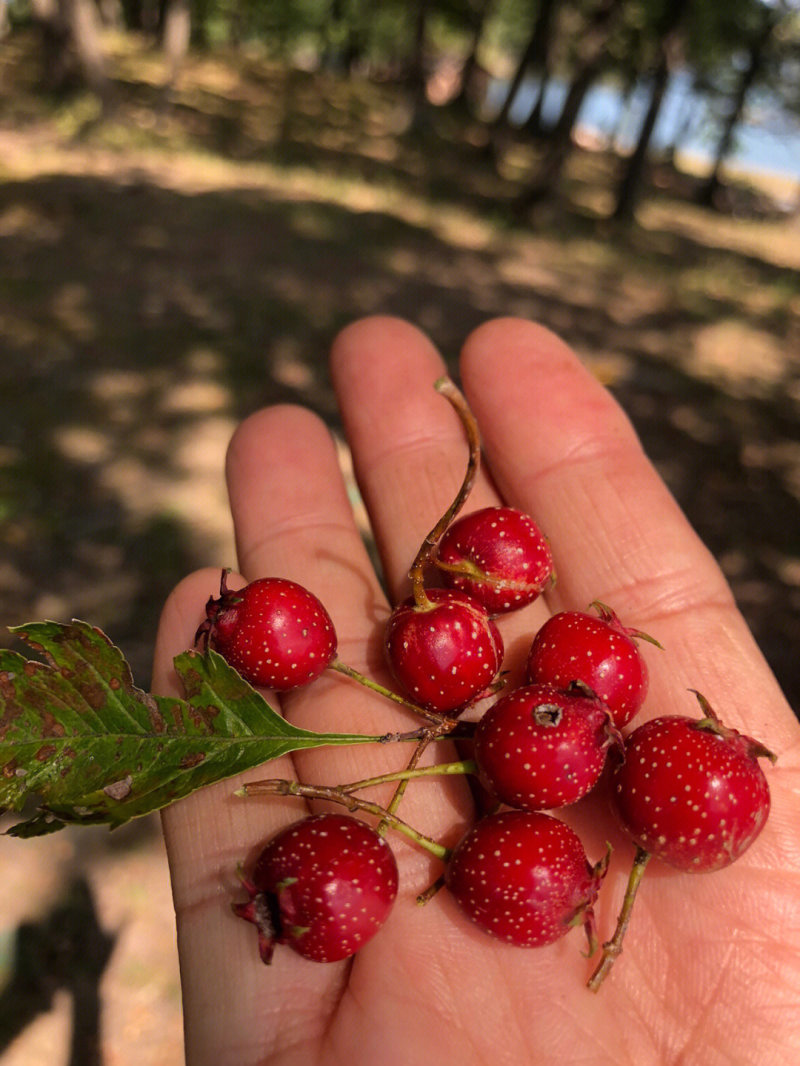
(334, 794)
(450, 728)
(458, 401)
(430, 891)
(355, 675)
(444, 769)
(613, 947)
(399, 792)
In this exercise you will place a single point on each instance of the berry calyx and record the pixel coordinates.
(691, 792)
(324, 885)
(443, 651)
(541, 747)
(497, 555)
(275, 632)
(523, 877)
(596, 650)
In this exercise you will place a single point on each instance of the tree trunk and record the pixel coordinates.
(73, 53)
(477, 15)
(632, 175)
(176, 33)
(415, 76)
(533, 57)
(84, 27)
(534, 126)
(683, 124)
(111, 14)
(707, 192)
(559, 142)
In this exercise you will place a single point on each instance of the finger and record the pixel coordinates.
(409, 450)
(293, 519)
(560, 446)
(409, 447)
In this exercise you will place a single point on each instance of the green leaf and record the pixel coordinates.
(79, 738)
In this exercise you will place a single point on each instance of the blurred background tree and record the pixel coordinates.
(475, 105)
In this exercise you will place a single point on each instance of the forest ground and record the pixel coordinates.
(173, 268)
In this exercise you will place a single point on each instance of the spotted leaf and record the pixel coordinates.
(80, 743)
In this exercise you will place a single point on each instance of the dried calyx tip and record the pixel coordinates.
(713, 724)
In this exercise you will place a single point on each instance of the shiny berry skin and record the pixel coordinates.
(444, 653)
(523, 877)
(503, 558)
(274, 632)
(691, 792)
(324, 885)
(599, 652)
(541, 747)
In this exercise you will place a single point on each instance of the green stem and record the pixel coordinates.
(458, 401)
(444, 769)
(613, 947)
(374, 686)
(400, 791)
(430, 891)
(282, 787)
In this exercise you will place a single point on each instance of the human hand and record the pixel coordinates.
(711, 967)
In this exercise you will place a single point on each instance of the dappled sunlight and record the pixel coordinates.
(289, 367)
(189, 263)
(25, 220)
(72, 311)
(82, 444)
(743, 360)
(778, 241)
(691, 421)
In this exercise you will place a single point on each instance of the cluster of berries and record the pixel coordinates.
(688, 791)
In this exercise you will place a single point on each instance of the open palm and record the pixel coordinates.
(711, 968)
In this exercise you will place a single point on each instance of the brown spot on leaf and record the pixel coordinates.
(12, 712)
(157, 721)
(47, 751)
(50, 726)
(203, 717)
(93, 693)
(193, 759)
(115, 683)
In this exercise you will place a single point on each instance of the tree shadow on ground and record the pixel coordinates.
(140, 323)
